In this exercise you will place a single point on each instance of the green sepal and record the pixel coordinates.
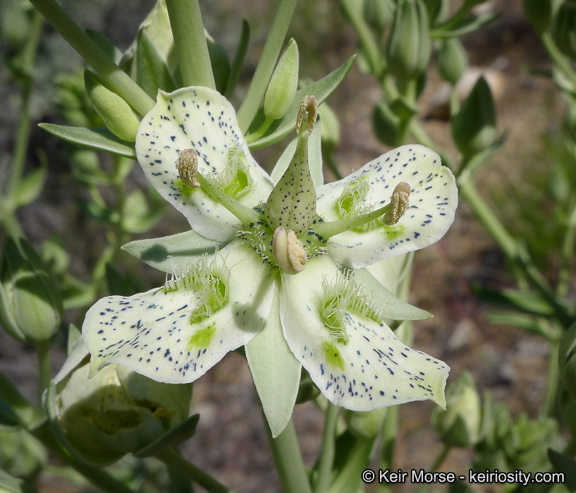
(403, 108)
(564, 464)
(10, 484)
(321, 89)
(141, 213)
(238, 62)
(314, 157)
(451, 29)
(31, 186)
(275, 371)
(172, 438)
(170, 252)
(385, 124)
(152, 71)
(392, 307)
(94, 138)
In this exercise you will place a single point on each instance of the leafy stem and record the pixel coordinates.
(118, 80)
(265, 67)
(328, 451)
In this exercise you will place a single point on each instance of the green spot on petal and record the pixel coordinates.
(185, 190)
(332, 355)
(202, 338)
(394, 232)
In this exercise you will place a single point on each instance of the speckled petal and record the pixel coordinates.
(372, 369)
(153, 334)
(433, 201)
(201, 119)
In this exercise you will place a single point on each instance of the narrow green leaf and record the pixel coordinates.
(152, 71)
(166, 253)
(525, 301)
(220, 64)
(238, 62)
(31, 186)
(463, 26)
(172, 438)
(393, 307)
(321, 89)
(10, 484)
(94, 138)
(105, 45)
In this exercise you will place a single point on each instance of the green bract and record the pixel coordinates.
(292, 285)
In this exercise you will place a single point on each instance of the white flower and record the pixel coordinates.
(285, 272)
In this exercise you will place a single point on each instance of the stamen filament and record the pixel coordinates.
(332, 228)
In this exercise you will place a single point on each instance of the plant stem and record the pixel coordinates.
(117, 80)
(328, 451)
(553, 381)
(288, 460)
(174, 460)
(190, 41)
(567, 253)
(265, 67)
(44, 368)
(558, 58)
(389, 432)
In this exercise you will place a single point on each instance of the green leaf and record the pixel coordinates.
(31, 186)
(166, 253)
(529, 323)
(393, 307)
(152, 71)
(220, 64)
(321, 89)
(105, 44)
(238, 62)
(464, 26)
(275, 371)
(525, 301)
(98, 211)
(172, 438)
(94, 138)
(565, 464)
(76, 294)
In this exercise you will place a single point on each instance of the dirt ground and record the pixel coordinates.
(231, 442)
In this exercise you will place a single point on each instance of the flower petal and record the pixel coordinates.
(275, 371)
(196, 118)
(433, 201)
(372, 368)
(173, 253)
(160, 333)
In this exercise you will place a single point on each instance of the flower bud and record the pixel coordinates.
(539, 13)
(115, 412)
(379, 13)
(564, 29)
(409, 48)
(567, 360)
(460, 424)
(452, 60)
(474, 127)
(114, 111)
(30, 303)
(365, 424)
(283, 84)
